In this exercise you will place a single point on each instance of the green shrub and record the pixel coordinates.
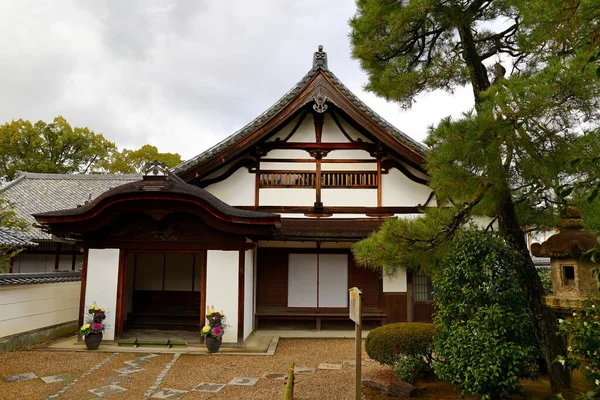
(412, 368)
(390, 343)
(484, 342)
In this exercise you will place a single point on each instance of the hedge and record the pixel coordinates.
(388, 343)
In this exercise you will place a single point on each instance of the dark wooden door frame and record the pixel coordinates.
(122, 286)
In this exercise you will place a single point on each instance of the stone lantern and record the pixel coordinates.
(572, 278)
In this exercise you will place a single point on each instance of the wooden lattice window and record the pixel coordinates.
(308, 179)
(278, 179)
(346, 179)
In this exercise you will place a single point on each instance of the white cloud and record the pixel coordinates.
(181, 75)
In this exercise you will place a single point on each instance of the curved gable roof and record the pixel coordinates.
(319, 69)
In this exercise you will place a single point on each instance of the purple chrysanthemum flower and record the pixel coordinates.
(217, 331)
(96, 326)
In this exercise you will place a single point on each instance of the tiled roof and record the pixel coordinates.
(36, 278)
(8, 237)
(36, 193)
(282, 102)
(168, 185)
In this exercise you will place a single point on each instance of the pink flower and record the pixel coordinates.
(217, 331)
(97, 326)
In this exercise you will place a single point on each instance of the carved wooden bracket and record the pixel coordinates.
(320, 99)
(318, 153)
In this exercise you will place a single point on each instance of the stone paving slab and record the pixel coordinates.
(275, 375)
(147, 355)
(208, 387)
(136, 363)
(330, 366)
(352, 363)
(119, 379)
(304, 370)
(129, 370)
(169, 394)
(107, 390)
(243, 381)
(57, 378)
(21, 377)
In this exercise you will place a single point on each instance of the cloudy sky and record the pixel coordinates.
(178, 74)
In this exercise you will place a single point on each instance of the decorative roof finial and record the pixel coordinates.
(320, 59)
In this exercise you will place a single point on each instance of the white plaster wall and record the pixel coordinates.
(348, 166)
(305, 132)
(222, 287)
(331, 132)
(101, 285)
(28, 307)
(349, 197)
(396, 283)
(285, 131)
(301, 166)
(353, 133)
(350, 155)
(248, 293)
(237, 190)
(289, 153)
(286, 197)
(398, 190)
(414, 171)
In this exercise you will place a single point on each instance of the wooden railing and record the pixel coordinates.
(345, 179)
(308, 179)
(278, 179)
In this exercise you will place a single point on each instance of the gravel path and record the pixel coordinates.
(185, 372)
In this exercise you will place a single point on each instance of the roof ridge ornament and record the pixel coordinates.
(320, 59)
(155, 168)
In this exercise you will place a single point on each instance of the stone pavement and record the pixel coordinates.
(179, 376)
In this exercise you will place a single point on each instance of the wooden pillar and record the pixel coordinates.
(82, 289)
(410, 308)
(318, 118)
(241, 290)
(202, 292)
(10, 267)
(121, 294)
(379, 182)
(57, 257)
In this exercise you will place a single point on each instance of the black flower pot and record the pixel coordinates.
(92, 341)
(213, 344)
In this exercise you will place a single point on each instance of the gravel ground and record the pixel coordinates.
(190, 370)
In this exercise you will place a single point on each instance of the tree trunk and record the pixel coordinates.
(544, 321)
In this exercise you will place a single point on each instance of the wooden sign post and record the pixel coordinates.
(355, 307)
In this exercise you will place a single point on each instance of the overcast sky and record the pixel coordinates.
(181, 75)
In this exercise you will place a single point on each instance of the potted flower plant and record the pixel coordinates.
(93, 327)
(214, 330)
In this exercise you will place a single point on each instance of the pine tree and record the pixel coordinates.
(509, 157)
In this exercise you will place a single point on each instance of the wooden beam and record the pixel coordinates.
(295, 128)
(121, 294)
(336, 210)
(319, 146)
(340, 127)
(310, 160)
(241, 289)
(82, 289)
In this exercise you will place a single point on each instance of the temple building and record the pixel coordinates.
(260, 225)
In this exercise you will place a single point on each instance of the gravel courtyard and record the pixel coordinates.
(324, 372)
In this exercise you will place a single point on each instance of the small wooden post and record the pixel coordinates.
(355, 308)
(289, 384)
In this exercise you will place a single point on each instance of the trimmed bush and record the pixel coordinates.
(388, 344)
